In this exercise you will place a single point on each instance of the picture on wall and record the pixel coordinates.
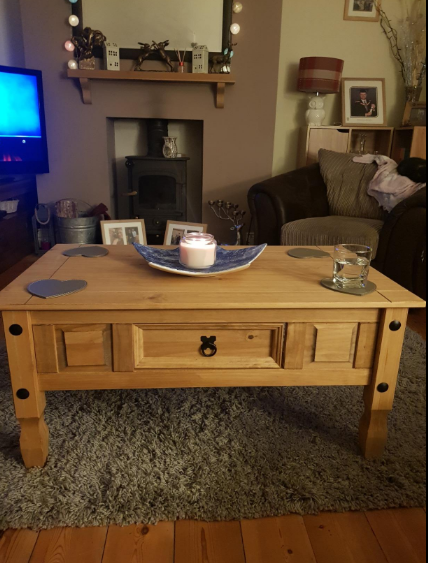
(362, 10)
(122, 233)
(364, 102)
(176, 231)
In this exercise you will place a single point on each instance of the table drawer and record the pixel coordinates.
(237, 346)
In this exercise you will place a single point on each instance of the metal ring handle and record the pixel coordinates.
(208, 348)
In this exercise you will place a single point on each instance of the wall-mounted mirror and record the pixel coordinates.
(182, 22)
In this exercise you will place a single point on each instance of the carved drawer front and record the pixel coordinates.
(73, 348)
(208, 346)
(331, 346)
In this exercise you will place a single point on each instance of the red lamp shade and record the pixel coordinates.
(320, 74)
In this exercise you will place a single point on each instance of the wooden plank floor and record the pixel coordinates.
(391, 536)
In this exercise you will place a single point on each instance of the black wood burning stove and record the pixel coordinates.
(157, 192)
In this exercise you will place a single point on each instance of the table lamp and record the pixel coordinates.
(319, 75)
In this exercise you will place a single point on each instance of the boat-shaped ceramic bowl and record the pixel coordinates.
(228, 261)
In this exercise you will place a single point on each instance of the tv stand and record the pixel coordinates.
(16, 232)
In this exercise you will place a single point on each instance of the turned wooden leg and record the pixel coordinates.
(379, 395)
(29, 401)
(34, 441)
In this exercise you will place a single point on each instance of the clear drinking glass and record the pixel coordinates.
(352, 265)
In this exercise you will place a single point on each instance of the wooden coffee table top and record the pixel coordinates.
(124, 281)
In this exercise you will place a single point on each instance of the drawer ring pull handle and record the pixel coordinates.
(209, 348)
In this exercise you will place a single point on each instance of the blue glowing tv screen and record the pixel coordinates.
(23, 145)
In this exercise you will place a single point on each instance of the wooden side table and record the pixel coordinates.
(138, 328)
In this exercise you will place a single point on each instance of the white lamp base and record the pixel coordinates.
(316, 113)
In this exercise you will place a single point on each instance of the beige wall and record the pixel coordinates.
(317, 27)
(238, 141)
(11, 42)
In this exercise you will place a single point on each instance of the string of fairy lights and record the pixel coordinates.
(69, 45)
(74, 21)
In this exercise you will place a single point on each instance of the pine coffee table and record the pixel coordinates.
(137, 328)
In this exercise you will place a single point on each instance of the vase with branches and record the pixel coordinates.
(227, 211)
(408, 44)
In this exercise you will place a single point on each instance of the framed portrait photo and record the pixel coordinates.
(122, 233)
(415, 114)
(175, 231)
(362, 10)
(364, 102)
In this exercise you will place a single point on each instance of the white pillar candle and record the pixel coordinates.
(198, 251)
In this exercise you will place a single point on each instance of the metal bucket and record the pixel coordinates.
(84, 230)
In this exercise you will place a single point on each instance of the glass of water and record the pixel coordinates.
(352, 265)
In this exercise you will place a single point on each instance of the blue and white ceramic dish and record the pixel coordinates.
(228, 261)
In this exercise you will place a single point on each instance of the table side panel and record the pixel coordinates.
(127, 352)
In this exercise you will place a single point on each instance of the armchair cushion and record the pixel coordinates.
(329, 231)
(347, 184)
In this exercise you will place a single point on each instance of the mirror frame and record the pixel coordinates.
(133, 54)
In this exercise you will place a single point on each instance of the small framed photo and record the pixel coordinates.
(364, 102)
(122, 233)
(362, 10)
(415, 114)
(176, 231)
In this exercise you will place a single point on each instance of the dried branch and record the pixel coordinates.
(408, 43)
(392, 36)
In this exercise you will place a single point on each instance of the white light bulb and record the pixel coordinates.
(73, 65)
(235, 28)
(69, 46)
(73, 21)
(237, 7)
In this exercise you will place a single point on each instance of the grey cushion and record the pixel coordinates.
(347, 184)
(329, 231)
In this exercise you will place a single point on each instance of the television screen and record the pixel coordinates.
(23, 146)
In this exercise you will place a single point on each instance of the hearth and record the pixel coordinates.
(157, 192)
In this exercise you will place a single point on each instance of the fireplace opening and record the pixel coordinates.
(150, 186)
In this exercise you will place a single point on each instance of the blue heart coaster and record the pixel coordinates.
(49, 289)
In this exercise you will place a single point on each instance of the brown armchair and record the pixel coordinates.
(294, 210)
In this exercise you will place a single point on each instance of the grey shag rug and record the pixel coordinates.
(144, 456)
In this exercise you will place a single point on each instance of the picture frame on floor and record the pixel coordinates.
(415, 114)
(176, 230)
(362, 10)
(364, 102)
(124, 232)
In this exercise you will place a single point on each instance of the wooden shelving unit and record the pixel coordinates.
(342, 139)
(220, 81)
(410, 142)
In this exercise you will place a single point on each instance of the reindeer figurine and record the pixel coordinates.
(220, 64)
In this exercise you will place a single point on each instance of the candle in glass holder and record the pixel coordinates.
(198, 251)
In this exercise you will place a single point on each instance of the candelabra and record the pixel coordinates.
(227, 211)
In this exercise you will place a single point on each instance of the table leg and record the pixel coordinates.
(379, 395)
(29, 401)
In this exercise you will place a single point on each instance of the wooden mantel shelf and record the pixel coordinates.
(219, 80)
